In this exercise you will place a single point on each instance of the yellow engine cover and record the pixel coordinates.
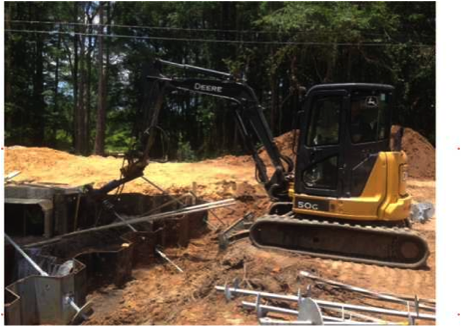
(384, 197)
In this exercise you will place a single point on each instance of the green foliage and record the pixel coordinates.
(63, 140)
(338, 45)
(185, 152)
(119, 141)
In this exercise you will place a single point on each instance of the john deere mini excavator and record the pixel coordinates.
(346, 198)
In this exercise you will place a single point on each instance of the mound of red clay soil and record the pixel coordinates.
(284, 143)
(420, 152)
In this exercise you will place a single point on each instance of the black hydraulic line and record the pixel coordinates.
(114, 184)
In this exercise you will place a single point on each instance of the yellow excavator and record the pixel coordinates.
(345, 198)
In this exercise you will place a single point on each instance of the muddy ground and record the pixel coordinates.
(159, 294)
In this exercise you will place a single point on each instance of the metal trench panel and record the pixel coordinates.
(51, 199)
(40, 299)
(36, 299)
(107, 266)
(99, 259)
(37, 191)
(46, 206)
(12, 308)
(143, 245)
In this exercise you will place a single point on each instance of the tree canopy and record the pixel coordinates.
(72, 68)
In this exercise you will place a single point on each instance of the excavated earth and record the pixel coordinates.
(159, 294)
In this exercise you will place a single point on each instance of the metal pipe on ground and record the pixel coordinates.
(327, 319)
(155, 217)
(354, 322)
(132, 228)
(329, 304)
(109, 206)
(156, 209)
(357, 289)
(308, 310)
(358, 315)
(80, 312)
(266, 308)
(408, 298)
(164, 192)
(12, 175)
(270, 321)
(175, 199)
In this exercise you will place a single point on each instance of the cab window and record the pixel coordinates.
(369, 116)
(324, 121)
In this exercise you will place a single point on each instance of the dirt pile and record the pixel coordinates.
(23, 158)
(231, 160)
(245, 192)
(420, 152)
(48, 165)
(214, 178)
(284, 143)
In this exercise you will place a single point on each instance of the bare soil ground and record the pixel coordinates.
(159, 294)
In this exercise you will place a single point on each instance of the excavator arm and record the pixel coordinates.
(249, 116)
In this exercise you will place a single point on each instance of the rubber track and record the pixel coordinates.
(396, 232)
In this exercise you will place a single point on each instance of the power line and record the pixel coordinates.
(215, 40)
(164, 28)
(192, 29)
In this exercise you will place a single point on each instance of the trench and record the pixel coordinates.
(97, 259)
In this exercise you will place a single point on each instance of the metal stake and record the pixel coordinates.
(266, 308)
(274, 322)
(110, 207)
(168, 260)
(329, 304)
(365, 291)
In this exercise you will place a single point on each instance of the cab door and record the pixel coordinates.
(320, 161)
(368, 124)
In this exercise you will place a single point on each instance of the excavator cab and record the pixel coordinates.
(345, 169)
(344, 128)
(349, 192)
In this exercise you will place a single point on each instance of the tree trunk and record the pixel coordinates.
(54, 125)
(87, 99)
(101, 115)
(75, 80)
(81, 99)
(331, 64)
(87, 106)
(349, 64)
(38, 102)
(7, 57)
